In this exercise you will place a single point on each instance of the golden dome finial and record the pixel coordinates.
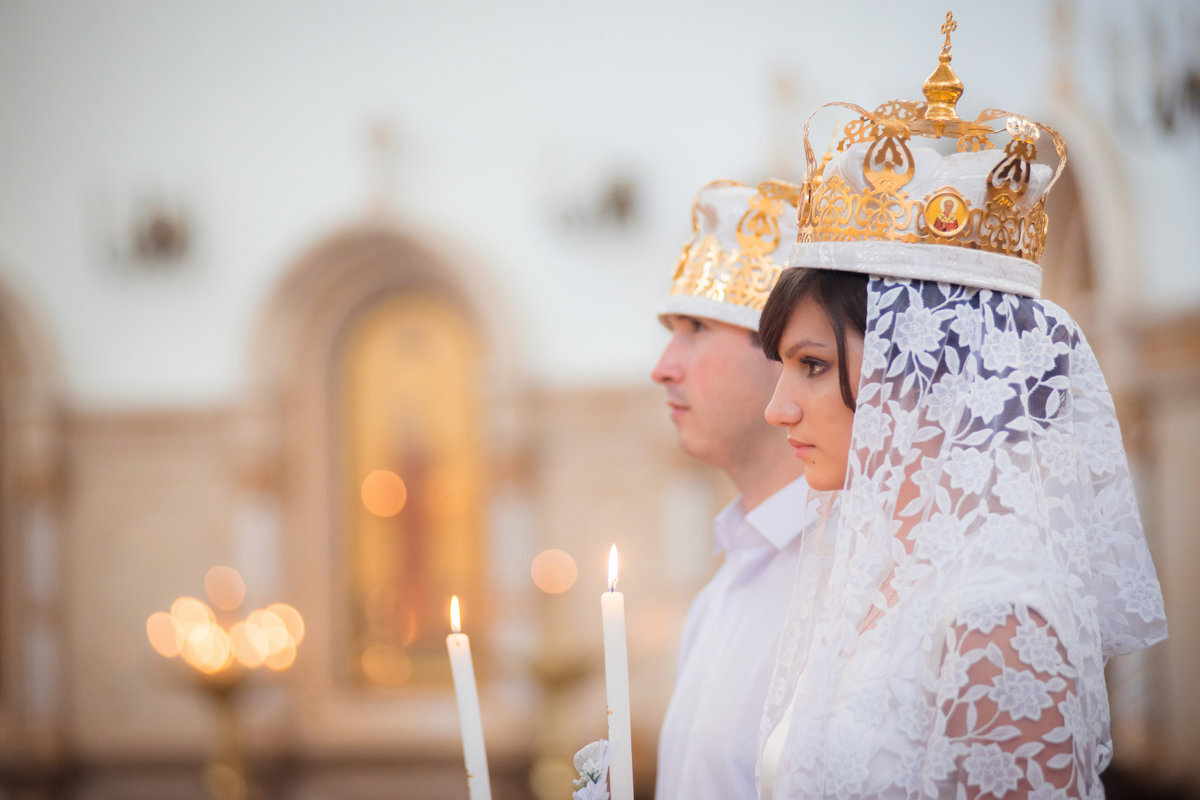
(943, 88)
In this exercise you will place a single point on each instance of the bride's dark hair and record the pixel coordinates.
(842, 295)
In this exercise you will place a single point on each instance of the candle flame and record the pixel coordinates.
(612, 569)
(455, 625)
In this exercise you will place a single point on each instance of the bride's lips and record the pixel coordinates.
(802, 448)
(677, 409)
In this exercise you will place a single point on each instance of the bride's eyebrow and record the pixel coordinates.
(791, 351)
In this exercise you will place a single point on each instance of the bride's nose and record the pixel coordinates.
(782, 410)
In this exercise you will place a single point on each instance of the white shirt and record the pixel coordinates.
(707, 745)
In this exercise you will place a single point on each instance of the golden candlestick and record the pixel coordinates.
(221, 657)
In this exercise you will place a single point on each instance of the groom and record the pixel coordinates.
(718, 384)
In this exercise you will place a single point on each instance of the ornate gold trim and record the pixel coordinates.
(744, 275)
(831, 210)
(725, 276)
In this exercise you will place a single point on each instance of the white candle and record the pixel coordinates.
(469, 719)
(616, 683)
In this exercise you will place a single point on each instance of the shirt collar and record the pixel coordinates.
(779, 519)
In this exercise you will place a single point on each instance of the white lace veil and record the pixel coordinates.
(949, 638)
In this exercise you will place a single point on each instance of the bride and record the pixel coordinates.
(950, 639)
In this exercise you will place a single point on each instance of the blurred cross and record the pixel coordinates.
(382, 154)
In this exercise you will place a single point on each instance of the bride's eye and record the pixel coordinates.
(814, 366)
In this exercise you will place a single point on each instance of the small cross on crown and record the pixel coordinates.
(948, 27)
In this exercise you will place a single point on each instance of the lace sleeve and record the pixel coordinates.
(1006, 703)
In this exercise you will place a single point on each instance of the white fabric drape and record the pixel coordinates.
(950, 639)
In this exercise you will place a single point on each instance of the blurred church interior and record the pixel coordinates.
(318, 314)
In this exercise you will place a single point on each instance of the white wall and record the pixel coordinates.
(257, 113)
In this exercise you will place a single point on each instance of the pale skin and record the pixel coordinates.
(808, 398)
(718, 382)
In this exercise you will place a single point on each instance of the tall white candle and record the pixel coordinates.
(616, 682)
(469, 719)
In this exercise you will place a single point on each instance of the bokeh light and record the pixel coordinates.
(282, 657)
(384, 493)
(188, 612)
(207, 648)
(225, 587)
(290, 618)
(272, 627)
(386, 665)
(250, 644)
(166, 637)
(554, 571)
(267, 637)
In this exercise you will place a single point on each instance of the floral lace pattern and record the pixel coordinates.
(950, 639)
(1007, 703)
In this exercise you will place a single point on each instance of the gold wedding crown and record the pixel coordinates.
(872, 192)
(741, 237)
